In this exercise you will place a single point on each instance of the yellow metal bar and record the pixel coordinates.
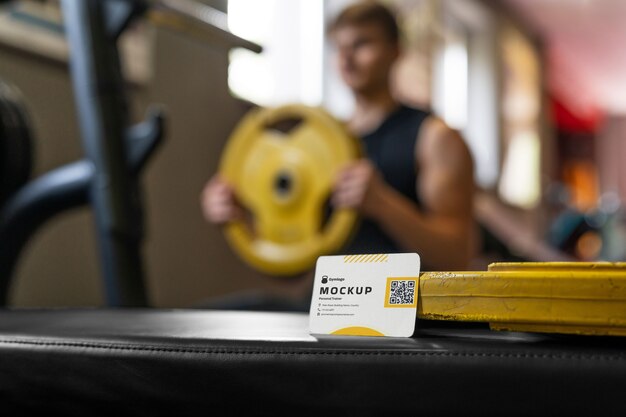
(558, 266)
(583, 298)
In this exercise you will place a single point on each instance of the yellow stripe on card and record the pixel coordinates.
(368, 258)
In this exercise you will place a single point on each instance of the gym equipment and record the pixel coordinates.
(182, 362)
(196, 20)
(284, 180)
(556, 297)
(115, 153)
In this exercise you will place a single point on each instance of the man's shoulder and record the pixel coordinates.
(440, 141)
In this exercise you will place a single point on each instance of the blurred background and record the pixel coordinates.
(537, 87)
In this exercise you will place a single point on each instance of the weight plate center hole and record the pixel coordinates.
(283, 184)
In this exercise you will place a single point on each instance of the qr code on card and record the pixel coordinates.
(401, 292)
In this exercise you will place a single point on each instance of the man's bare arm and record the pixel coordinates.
(442, 229)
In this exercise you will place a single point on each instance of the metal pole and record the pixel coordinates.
(92, 28)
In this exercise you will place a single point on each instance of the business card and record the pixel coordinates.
(365, 295)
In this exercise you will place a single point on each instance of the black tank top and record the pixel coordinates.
(391, 147)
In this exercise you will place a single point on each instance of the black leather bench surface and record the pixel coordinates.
(190, 362)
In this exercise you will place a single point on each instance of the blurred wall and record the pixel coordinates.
(187, 261)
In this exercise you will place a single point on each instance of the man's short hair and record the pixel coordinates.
(367, 12)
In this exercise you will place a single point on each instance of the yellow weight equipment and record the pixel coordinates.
(561, 297)
(284, 179)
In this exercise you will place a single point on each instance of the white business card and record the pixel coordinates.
(365, 295)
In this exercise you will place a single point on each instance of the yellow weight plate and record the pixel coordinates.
(284, 179)
(580, 298)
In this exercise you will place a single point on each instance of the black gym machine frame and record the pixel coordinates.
(115, 154)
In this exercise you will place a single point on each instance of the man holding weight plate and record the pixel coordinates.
(414, 190)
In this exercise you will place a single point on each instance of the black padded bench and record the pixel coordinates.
(192, 362)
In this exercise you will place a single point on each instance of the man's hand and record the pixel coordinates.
(360, 186)
(218, 201)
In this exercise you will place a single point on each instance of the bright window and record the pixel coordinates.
(290, 67)
(453, 86)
